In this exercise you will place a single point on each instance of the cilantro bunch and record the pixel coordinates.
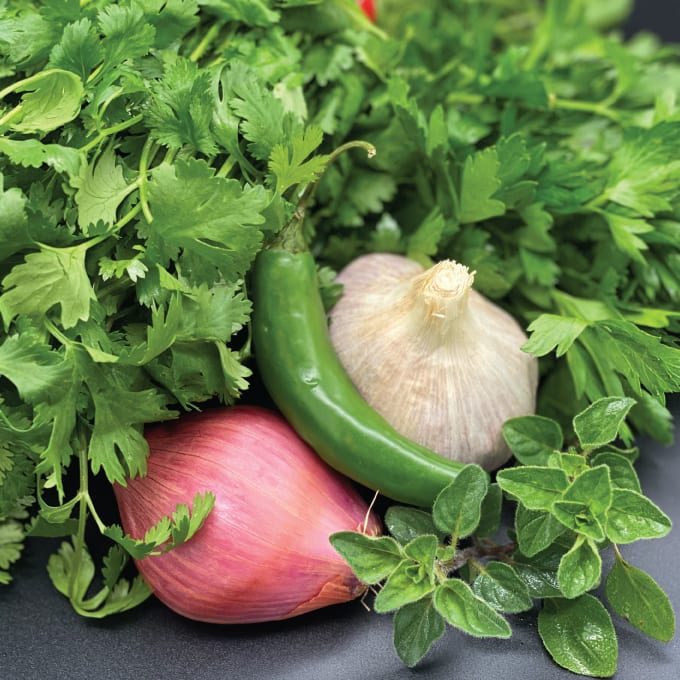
(148, 148)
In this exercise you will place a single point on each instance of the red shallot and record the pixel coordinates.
(263, 553)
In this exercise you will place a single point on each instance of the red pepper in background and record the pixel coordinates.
(368, 8)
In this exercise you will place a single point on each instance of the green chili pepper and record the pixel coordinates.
(306, 380)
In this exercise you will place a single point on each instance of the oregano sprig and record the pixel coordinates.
(571, 504)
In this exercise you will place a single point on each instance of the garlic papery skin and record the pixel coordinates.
(439, 361)
(263, 553)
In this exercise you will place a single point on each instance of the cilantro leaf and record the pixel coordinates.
(49, 277)
(181, 108)
(79, 50)
(52, 98)
(117, 445)
(287, 162)
(212, 220)
(101, 188)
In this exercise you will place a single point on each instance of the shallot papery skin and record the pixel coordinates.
(263, 553)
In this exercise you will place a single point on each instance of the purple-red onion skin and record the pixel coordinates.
(263, 553)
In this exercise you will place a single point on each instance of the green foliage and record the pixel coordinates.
(452, 566)
(562, 625)
(148, 150)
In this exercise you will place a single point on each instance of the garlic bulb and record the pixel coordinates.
(440, 362)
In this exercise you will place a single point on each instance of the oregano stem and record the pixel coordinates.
(478, 552)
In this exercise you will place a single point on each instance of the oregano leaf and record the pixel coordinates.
(579, 635)
(372, 558)
(580, 568)
(637, 597)
(461, 608)
(416, 627)
(457, 508)
(599, 423)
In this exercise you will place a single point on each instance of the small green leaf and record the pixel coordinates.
(403, 586)
(572, 463)
(168, 532)
(539, 572)
(71, 574)
(599, 424)
(621, 470)
(592, 487)
(456, 602)
(532, 439)
(422, 549)
(536, 530)
(186, 521)
(406, 523)
(478, 185)
(372, 558)
(491, 509)
(457, 508)
(502, 588)
(580, 568)
(11, 546)
(101, 188)
(416, 627)
(550, 331)
(637, 597)
(632, 517)
(579, 517)
(537, 488)
(287, 161)
(47, 278)
(579, 635)
(52, 98)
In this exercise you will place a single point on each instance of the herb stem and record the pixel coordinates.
(477, 552)
(596, 108)
(12, 113)
(226, 167)
(95, 515)
(464, 98)
(202, 46)
(144, 161)
(130, 215)
(79, 538)
(114, 129)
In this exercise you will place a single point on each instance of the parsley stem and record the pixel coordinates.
(587, 107)
(107, 132)
(202, 46)
(144, 161)
(464, 98)
(226, 167)
(95, 515)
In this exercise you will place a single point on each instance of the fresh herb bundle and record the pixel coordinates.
(148, 148)
(571, 503)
